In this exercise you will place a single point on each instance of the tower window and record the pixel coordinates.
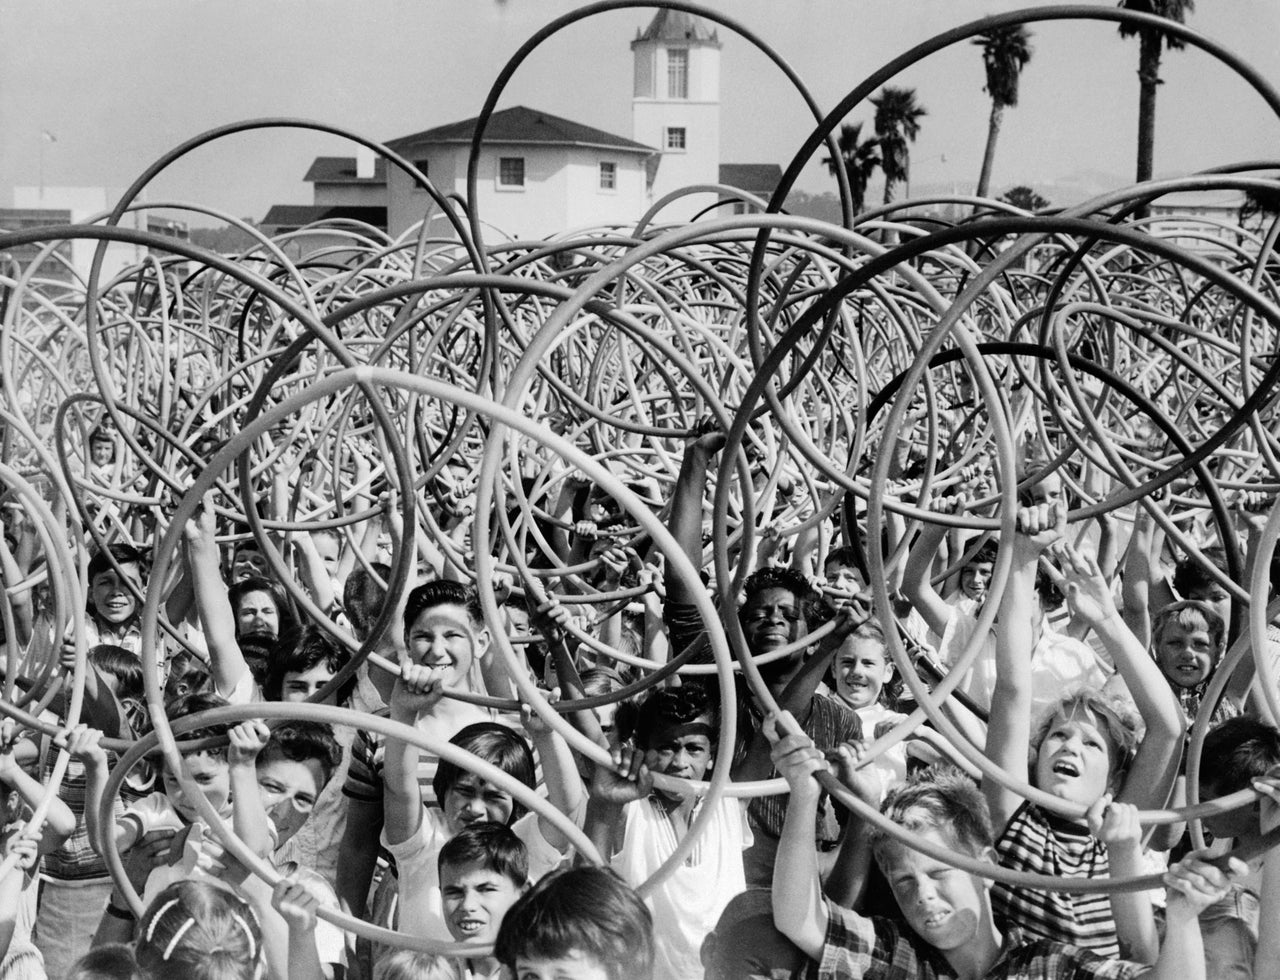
(608, 175)
(677, 73)
(676, 138)
(511, 171)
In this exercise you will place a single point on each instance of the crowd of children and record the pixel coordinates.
(466, 825)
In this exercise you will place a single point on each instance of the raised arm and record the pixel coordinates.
(917, 574)
(248, 814)
(686, 505)
(60, 822)
(226, 663)
(417, 690)
(1155, 767)
(799, 911)
(1009, 726)
(565, 790)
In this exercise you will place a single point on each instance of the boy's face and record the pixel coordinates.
(298, 685)
(289, 789)
(862, 669)
(574, 966)
(1185, 654)
(442, 637)
(843, 578)
(470, 799)
(110, 594)
(1075, 759)
(475, 898)
(211, 773)
(947, 907)
(682, 750)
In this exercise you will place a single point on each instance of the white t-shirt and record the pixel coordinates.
(890, 768)
(688, 903)
(421, 911)
(1059, 664)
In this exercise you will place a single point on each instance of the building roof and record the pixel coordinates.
(342, 170)
(760, 179)
(297, 215)
(678, 25)
(522, 125)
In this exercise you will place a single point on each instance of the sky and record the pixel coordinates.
(117, 83)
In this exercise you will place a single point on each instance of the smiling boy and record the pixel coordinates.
(484, 869)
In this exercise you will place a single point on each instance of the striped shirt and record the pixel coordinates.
(1043, 844)
(882, 949)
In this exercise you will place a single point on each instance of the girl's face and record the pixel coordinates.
(974, 579)
(1075, 759)
(257, 614)
(289, 790)
(861, 671)
(1186, 655)
(442, 637)
(211, 773)
(471, 799)
(248, 562)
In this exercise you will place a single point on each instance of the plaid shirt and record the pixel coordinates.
(858, 947)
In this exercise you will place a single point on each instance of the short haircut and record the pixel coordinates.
(988, 552)
(1191, 575)
(188, 674)
(673, 706)
(312, 648)
(776, 578)
(1115, 717)
(198, 931)
(497, 745)
(113, 961)
(194, 703)
(408, 964)
(442, 593)
(302, 741)
(845, 555)
(124, 554)
(940, 798)
(1237, 752)
(492, 846)
(363, 596)
(587, 910)
(121, 664)
(1190, 614)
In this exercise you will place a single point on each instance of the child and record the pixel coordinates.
(1187, 641)
(197, 931)
(1241, 753)
(579, 923)
(19, 795)
(215, 771)
(1085, 751)
(861, 670)
(112, 961)
(949, 927)
(637, 827)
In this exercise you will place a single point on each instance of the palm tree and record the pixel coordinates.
(1005, 51)
(859, 158)
(897, 124)
(1151, 41)
(1024, 197)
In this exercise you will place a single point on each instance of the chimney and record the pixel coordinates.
(364, 162)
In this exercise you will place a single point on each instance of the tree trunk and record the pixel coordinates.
(1148, 79)
(989, 155)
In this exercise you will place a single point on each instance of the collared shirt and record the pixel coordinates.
(874, 948)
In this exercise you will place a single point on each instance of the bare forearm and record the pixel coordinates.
(798, 909)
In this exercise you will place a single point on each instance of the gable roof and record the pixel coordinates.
(760, 179)
(677, 25)
(523, 126)
(342, 170)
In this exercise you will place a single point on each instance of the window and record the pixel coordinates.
(678, 74)
(676, 138)
(608, 176)
(511, 171)
(423, 166)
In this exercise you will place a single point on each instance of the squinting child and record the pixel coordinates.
(579, 924)
(637, 827)
(949, 928)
